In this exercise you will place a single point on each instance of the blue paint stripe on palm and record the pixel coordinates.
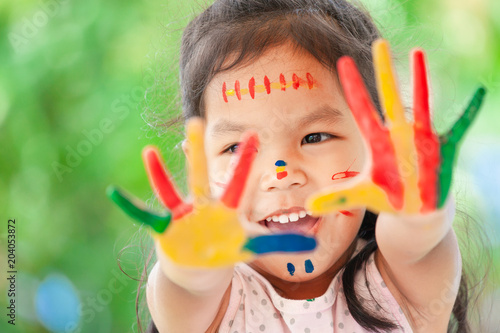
(280, 243)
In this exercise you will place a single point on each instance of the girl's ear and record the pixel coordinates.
(185, 147)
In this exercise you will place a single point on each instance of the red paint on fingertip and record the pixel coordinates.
(245, 156)
(251, 87)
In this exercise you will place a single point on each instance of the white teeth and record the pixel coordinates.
(285, 218)
(309, 212)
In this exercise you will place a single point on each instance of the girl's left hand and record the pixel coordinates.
(411, 167)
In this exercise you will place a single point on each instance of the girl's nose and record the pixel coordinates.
(282, 176)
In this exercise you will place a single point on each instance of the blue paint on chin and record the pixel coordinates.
(309, 266)
(291, 268)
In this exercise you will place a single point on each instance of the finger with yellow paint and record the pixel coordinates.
(365, 194)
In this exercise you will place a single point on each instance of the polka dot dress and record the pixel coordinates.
(254, 305)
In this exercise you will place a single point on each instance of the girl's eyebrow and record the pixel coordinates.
(325, 114)
(225, 126)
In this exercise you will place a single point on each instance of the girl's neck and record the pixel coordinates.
(312, 288)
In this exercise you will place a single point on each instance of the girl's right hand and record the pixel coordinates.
(205, 233)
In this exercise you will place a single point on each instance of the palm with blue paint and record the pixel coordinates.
(207, 231)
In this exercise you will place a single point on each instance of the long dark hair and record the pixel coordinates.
(232, 33)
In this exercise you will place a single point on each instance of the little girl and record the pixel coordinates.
(291, 244)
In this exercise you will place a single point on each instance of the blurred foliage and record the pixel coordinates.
(79, 79)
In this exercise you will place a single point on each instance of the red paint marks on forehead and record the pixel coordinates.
(282, 82)
(310, 80)
(251, 87)
(267, 86)
(237, 89)
(296, 82)
(224, 92)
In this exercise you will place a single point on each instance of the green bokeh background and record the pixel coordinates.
(75, 80)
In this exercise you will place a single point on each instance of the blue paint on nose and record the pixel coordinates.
(280, 163)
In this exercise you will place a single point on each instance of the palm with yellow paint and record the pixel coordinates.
(411, 166)
(205, 232)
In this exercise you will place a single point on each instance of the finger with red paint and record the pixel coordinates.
(246, 153)
(159, 178)
(426, 140)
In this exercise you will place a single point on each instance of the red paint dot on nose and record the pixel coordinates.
(282, 174)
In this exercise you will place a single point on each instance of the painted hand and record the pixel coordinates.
(206, 232)
(411, 167)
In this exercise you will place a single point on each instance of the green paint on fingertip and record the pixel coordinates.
(310, 299)
(451, 140)
(132, 207)
(458, 130)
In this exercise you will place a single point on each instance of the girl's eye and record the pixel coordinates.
(231, 149)
(316, 137)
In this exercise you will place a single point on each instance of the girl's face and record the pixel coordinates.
(308, 140)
